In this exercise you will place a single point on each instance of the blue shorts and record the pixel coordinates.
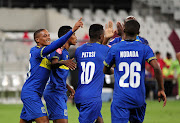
(89, 112)
(56, 105)
(123, 115)
(32, 108)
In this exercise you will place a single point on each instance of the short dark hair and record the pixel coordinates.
(95, 31)
(132, 27)
(157, 53)
(168, 55)
(63, 30)
(37, 32)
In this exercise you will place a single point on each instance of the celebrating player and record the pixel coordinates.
(109, 33)
(33, 108)
(90, 57)
(55, 92)
(129, 57)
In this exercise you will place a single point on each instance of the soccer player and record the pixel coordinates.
(109, 33)
(38, 75)
(55, 92)
(90, 57)
(129, 57)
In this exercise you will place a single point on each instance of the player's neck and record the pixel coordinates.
(66, 46)
(129, 38)
(94, 41)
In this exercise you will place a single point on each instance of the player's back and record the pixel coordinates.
(90, 57)
(119, 39)
(130, 57)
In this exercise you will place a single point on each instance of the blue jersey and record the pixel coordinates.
(118, 39)
(90, 57)
(58, 76)
(129, 58)
(39, 67)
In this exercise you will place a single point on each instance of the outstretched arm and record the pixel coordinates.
(62, 40)
(69, 63)
(159, 78)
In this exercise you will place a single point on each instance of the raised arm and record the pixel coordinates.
(62, 40)
(159, 78)
(109, 32)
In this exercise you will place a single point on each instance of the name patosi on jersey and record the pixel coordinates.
(124, 54)
(88, 54)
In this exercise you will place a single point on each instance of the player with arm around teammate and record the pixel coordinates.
(90, 57)
(38, 75)
(55, 92)
(129, 57)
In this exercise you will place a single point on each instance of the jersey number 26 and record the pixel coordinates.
(131, 73)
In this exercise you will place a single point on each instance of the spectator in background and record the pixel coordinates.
(161, 62)
(168, 75)
(175, 66)
(178, 56)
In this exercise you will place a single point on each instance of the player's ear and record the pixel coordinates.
(37, 40)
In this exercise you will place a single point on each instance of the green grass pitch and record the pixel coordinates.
(155, 112)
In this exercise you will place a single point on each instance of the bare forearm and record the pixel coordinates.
(159, 78)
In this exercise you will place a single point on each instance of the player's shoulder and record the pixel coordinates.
(36, 49)
(143, 40)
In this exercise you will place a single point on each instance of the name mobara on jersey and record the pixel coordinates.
(124, 54)
(88, 54)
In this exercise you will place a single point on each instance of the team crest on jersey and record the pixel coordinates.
(65, 112)
(59, 51)
(43, 109)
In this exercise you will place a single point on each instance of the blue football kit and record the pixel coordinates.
(119, 39)
(129, 88)
(90, 57)
(55, 92)
(37, 77)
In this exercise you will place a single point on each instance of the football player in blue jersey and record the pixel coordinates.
(38, 75)
(55, 92)
(109, 33)
(90, 57)
(129, 57)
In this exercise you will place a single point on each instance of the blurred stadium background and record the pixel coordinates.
(159, 20)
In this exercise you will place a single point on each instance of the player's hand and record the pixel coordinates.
(78, 24)
(109, 32)
(162, 95)
(70, 64)
(72, 92)
(120, 30)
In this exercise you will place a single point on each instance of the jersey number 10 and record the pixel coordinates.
(87, 72)
(131, 73)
